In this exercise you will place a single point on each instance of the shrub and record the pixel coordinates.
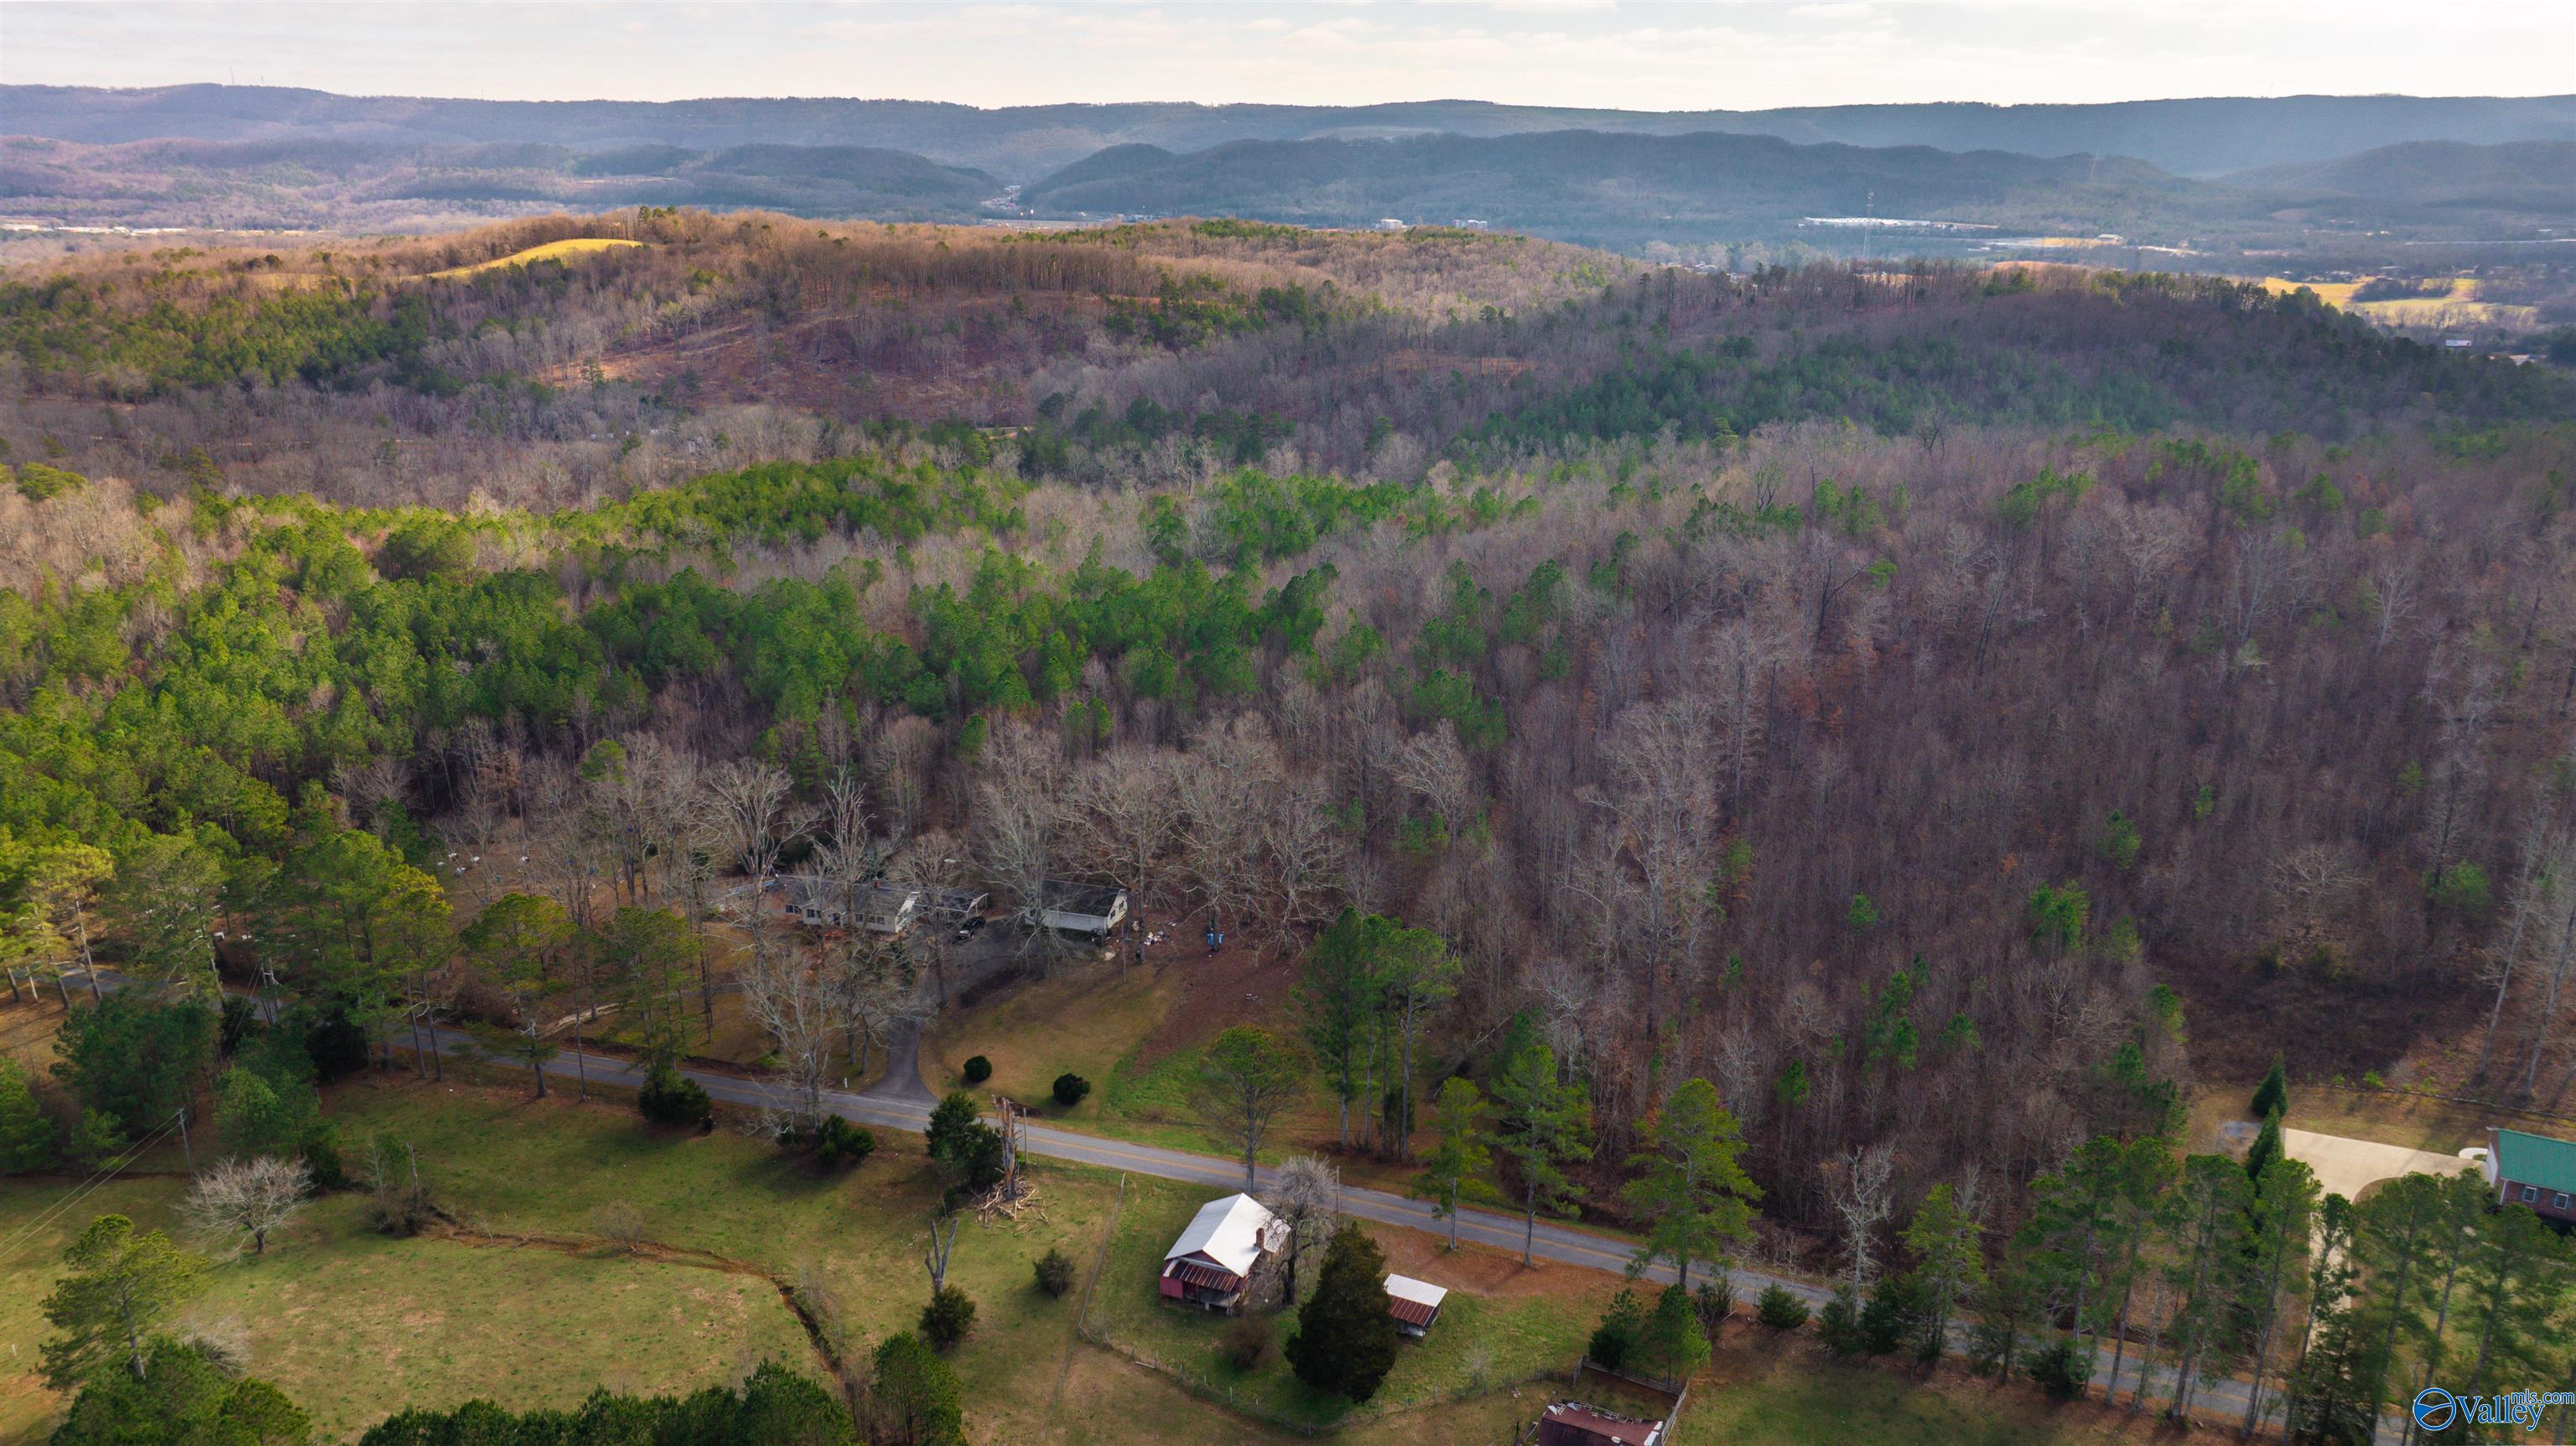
(338, 1047)
(1838, 1325)
(1780, 1310)
(671, 1098)
(1055, 1273)
(399, 1201)
(97, 1139)
(1622, 1326)
(1247, 1342)
(322, 1159)
(1897, 1312)
(2062, 1370)
(978, 1070)
(839, 1143)
(948, 1317)
(1070, 1089)
(620, 1224)
(1715, 1301)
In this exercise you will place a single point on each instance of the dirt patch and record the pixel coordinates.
(1238, 986)
(1483, 1271)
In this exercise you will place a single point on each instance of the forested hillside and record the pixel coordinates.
(1022, 143)
(1940, 708)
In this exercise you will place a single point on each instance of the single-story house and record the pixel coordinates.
(1092, 909)
(2533, 1170)
(1572, 1423)
(1228, 1243)
(879, 908)
(1415, 1304)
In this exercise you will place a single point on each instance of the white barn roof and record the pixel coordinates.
(1233, 1232)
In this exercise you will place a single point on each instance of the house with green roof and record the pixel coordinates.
(2533, 1170)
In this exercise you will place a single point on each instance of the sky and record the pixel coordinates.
(1628, 54)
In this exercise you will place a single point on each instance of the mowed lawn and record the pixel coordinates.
(523, 1303)
(1765, 1390)
(353, 1324)
(1137, 1034)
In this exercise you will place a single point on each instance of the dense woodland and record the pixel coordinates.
(1948, 711)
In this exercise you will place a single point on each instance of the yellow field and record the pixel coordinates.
(2459, 308)
(2332, 293)
(551, 251)
(2447, 311)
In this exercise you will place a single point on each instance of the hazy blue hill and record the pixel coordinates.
(2191, 137)
(2532, 177)
(1588, 186)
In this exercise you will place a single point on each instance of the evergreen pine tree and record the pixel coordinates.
(2272, 1096)
(26, 1136)
(1676, 1345)
(1345, 1342)
(2266, 1148)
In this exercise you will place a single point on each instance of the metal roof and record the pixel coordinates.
(1412, 1301)
(1593, 1423)
(1234, 1232)
(2535, 1160)
(1203, 1275)
(1063, 896)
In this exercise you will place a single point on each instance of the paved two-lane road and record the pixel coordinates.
(900, 1101)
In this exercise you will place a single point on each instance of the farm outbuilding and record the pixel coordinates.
(1415, 1304)
(1225, 1249)
(1572, 1423)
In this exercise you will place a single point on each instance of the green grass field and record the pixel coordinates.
(1500, 1325)
(522, 1303)
(1113, 1027)
(1760, 1390)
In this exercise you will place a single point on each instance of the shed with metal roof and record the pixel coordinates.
(1415, 1304)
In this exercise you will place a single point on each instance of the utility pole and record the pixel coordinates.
(185, 1147)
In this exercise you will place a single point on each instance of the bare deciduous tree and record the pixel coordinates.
(240, 1200)
(1863, 1199)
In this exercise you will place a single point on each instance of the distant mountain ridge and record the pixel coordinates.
(2536, 176)
(296, 183)
(1622, 190)
(2206, 137)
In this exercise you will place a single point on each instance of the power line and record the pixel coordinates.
(81, 1191)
